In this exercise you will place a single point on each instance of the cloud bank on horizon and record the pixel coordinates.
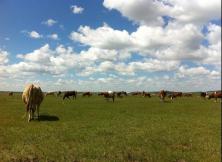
(139, 45)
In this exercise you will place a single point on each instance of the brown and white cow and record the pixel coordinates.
(162, 95)
(58, 93)
(87, 94)
(108, 95)
(32, 96)
(146, 94)
(121, 94)
(203, 95)
(175, 95)
(214, 95)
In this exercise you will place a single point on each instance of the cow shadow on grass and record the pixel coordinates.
(46, 117)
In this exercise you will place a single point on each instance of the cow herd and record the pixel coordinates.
(33, 96)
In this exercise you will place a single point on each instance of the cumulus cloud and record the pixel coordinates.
(155, 53)
(3, 57)
(197, 72)
(148, 65)
(211, 54)
(49, 22)
(214, 33)
(34, 34)
(77, 9)
(113, 74)
(40, 55)
(102, 37)
(54, 36)
(171, 43)
(140, 11)
(151, 12)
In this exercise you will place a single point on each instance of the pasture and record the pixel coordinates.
(90, 129)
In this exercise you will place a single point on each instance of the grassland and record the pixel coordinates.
(94, 130)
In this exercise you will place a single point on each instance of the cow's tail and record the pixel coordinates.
(30, 97)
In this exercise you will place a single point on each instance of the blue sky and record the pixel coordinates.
(110, 44)
(28, 15)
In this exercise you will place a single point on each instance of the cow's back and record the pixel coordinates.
(37, 95)
(25, 93)
(34, 93)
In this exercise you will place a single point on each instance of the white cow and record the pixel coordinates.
(32, 96)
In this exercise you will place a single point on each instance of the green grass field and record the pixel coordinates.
(94, 130)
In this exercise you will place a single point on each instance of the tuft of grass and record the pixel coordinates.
(94, 130)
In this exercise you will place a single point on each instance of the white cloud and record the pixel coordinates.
(113, 74)
(199, 71)
(172, 43)
(49, 22)
(3, 57)
(102, 37)
(54, 36)
(211, 54)
(193, 71)
(140, 11)
(149, 12)
(41, 55)
(214, 34)
(109, 59)
(77, 9)
(197, 12)
(34, 34)
(148, 65)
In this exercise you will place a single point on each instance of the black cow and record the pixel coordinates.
(70, 93)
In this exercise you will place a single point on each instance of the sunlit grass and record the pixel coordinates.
(130, 129)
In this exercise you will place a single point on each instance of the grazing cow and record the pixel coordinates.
(175, 94)
(70, 93)
(145, 94)
(109, 95)
(101, 93)
(171, 96)
(203, 95)
(120, 94)
(32, 96)
(50, 93)
(214, 95)
(162, 95)
(124, 93)
(87, 94)
(10, 93)
(59, 93)
(187, 94)
(136, 93)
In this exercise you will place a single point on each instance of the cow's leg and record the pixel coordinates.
(33, 113)
(215, 99)
(37, 112)
(29, 117)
